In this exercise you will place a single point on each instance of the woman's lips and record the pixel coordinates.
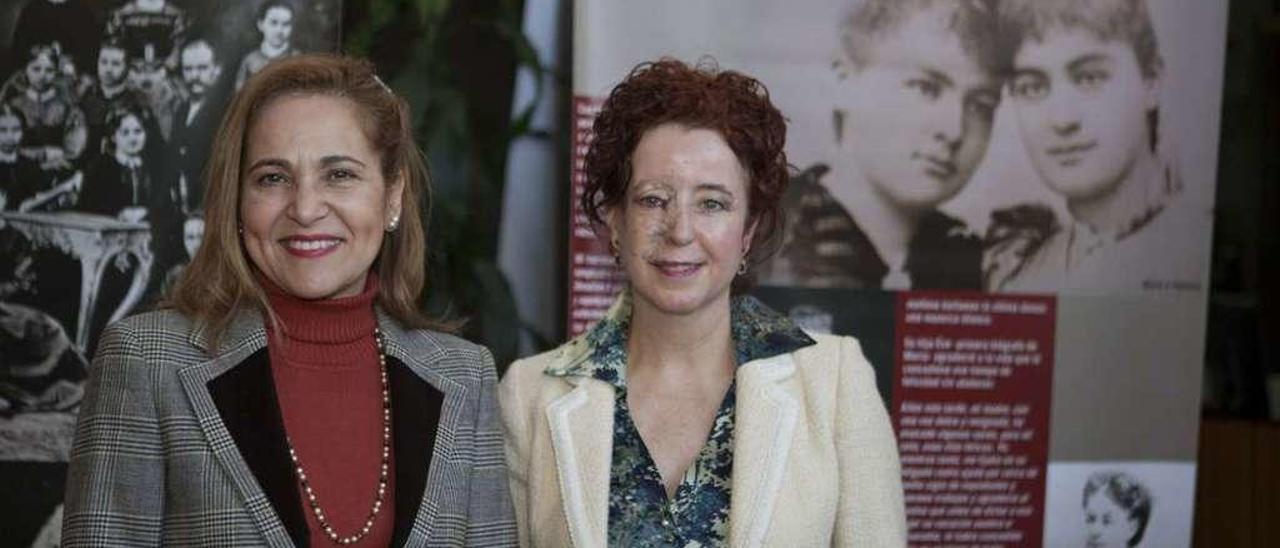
(309, 247)
(677, 269)
(1071, 154)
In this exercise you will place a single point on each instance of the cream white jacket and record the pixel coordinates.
(815, 460)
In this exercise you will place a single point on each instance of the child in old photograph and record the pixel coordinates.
(275, 23)
(920, 82)
(1085, 90)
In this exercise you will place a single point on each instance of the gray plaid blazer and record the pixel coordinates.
(178, 444)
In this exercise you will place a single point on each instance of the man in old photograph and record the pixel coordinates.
(1085, 90)
(920, 82)
(196, 118)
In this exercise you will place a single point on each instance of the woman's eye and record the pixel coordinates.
(714, 205)
(341, 175)
(1091, 79)
(272, 179)
(927, 88)
(1028, 88)
(652, 201)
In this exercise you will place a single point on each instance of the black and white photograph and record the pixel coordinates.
(108, 109)
(1008, 146)
(1123, 504)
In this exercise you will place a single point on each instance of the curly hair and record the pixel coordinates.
(665, 91)
(1127, 492)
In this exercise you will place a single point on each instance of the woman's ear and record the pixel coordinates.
(749, 234)
(614, 220)
(395, 197)
(1151, 96)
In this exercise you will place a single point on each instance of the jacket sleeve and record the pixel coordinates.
(515, 422)
(491, 522)
(115, 482)
(871, 511)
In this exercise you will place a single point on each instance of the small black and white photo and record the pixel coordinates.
(1122, 504)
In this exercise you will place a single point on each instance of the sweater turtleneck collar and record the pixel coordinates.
(329, 321)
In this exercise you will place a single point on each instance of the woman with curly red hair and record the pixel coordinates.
(692, 414)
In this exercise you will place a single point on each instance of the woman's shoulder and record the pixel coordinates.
(531, 369)
(163, 331)
(430, 340)
(164, 321)
(830, 356)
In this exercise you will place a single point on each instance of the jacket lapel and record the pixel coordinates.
(581, 424)
(233, 398)
(246, 400)
(766, 420)
(415, 412)
(424, 387)
(235, 401)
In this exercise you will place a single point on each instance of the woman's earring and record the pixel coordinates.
(742, 267)
(395, 223)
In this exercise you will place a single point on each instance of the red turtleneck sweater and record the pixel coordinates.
(325, 366)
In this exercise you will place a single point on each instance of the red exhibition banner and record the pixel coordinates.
(972, 380)
(594, 279)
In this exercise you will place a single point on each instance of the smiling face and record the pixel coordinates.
(919, 111)
(1082, 106)
(1107, 524)
(681, 231)
(276, 26)
(313, 201)
(129, 136)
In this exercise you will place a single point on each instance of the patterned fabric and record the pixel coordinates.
(153, 463)
(640, 513)
(823, 246)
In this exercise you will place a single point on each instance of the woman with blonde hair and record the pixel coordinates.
(290, 391)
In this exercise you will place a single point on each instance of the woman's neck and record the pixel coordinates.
(699, 343)
(1113, 211)
(271, 52)
(889, 227)
(128, 160)
(328, 321)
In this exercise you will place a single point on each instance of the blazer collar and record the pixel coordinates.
(581, 421)
(235, 401)
(767, 412)
(758, 333)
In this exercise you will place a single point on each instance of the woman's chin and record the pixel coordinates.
(679, 303)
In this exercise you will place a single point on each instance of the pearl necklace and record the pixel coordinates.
(382, 473)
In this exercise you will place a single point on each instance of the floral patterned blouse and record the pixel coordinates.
(640, 513)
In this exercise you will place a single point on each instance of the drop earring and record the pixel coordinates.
(395, 223)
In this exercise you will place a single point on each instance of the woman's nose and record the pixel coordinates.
(309, 205)
(679, 226)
